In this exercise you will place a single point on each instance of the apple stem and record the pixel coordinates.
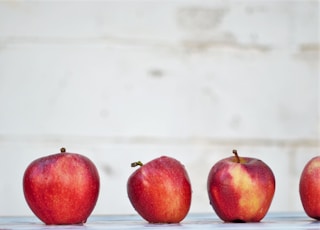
(63, 150)
(235, 152)
(134, 164)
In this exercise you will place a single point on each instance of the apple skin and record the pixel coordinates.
(241, 191)
(61, 188)
(309, 188)
(160, 191)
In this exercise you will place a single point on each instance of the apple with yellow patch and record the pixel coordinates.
(241, 189)
(309, 188)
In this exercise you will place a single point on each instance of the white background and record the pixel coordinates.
(121, 81)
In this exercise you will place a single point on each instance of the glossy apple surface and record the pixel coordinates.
(240, 189)
(160, 191)
(309, 188)
(61, 188)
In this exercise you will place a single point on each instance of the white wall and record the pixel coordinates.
(121, 81)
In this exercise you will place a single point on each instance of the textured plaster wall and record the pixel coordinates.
(121, 81)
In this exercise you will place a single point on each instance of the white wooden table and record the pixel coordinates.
(192, 221)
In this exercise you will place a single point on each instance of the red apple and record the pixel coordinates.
(160, 191)
(240, 189)
(309, 188)
(61, 188)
